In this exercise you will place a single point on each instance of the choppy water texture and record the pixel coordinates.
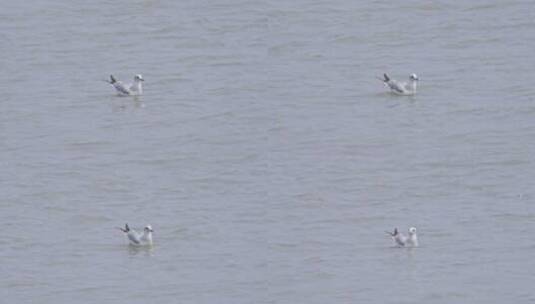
(265, 154)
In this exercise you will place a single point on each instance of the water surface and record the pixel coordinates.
(265, 154)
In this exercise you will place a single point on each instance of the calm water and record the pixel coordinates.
(265, 154)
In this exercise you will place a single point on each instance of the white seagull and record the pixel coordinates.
(138, 239)
(128, 89)
(401, 88)
(400, 240)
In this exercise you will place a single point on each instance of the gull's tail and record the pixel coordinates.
(392, 234)
(385, 79)
(126, 228)
(112, 79)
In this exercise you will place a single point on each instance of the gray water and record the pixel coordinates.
(265, 153)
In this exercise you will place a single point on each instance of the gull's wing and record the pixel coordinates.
(121, 88)
(396, 86)
(399, 242)
(134, 237)
(400, 239)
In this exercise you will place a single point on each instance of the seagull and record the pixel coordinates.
(136, 238)
(128, 89)
(401, 88)
(400, 240)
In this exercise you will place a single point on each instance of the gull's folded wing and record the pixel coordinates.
(119, 86)
(134, 238)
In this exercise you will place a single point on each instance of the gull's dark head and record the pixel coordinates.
(138, 77)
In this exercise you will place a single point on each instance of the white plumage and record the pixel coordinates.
(135, 88)
(401, 240)
(138, 239)
(401, 88)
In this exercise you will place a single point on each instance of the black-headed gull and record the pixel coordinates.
(128, 89)
(401, 88)
(401, 240)
(136, 238)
